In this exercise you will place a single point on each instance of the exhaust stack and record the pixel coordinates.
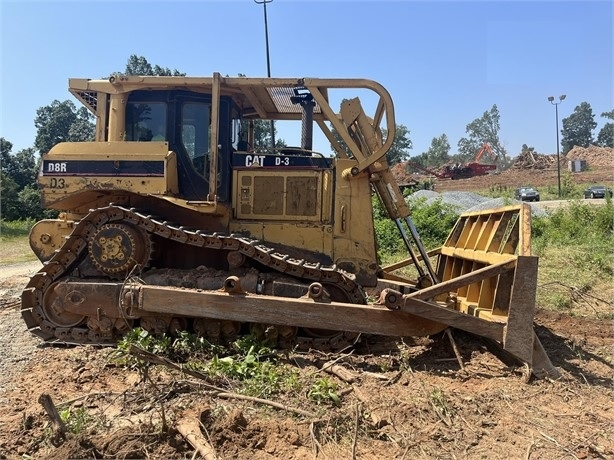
(303, 97)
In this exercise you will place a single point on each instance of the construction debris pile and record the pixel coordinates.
(594, 156)
(401, 174)
(532, 160)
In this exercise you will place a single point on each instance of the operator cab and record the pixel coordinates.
(183, 120)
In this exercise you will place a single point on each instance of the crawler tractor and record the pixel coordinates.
(170, 220)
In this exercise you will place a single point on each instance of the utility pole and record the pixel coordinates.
(268, 59)
(558, 160)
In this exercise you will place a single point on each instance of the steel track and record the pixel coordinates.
(75, 247)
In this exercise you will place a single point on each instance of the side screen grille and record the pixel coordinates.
(89, 99)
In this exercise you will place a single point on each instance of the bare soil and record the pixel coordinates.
(410, 398)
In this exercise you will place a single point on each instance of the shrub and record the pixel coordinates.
(588, 228)
(432, 221)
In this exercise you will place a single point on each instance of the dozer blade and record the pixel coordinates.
(488, 281)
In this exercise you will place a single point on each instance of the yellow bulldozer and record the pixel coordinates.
(170, 220)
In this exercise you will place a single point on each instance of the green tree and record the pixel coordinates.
(83, 129)
(138, 65)
(438, 153)
(29, 199)
(262, 135)
(19, 192)
(62, 122)
(482, 130)
(578, 128)
(22, 167)
(5, 153)
(605, 138)
(8, 187)
(9, 202)
(399, 150)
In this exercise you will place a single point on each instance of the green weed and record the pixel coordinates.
(324, 391)
(247, 361)
(187, 344)
(561, 302)
(258, 373)
(586, 228)
(143, 339)
(439, 402)
(14, 241)
(76, 419)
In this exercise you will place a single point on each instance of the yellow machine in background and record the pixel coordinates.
(171, 221)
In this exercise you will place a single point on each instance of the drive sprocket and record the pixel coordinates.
(116, 248)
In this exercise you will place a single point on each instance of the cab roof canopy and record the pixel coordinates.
(258, 98)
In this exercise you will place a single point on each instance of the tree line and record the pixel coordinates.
(64, 122)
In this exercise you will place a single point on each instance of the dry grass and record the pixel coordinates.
(15, 249)
(565, 285)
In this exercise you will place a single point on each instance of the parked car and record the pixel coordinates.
(526, 194)
(597, 191)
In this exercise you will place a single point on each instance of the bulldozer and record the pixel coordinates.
(170, 220)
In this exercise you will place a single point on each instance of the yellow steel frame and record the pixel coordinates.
(488, 280)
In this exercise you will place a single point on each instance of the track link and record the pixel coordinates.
(76, 246)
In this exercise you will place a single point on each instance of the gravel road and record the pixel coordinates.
(17, 344)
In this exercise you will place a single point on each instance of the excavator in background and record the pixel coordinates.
(170, 221)
(484, 149)
(474, 168)
(461, 171)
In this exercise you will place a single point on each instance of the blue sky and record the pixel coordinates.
(444, 62)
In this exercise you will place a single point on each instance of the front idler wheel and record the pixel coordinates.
(54, 311)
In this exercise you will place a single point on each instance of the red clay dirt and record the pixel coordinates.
(410, 398)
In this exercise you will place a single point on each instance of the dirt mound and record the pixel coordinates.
(594, 156)
(402, 175)
(246, 436)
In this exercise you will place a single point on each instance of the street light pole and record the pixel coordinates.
(558, 160)
(268, 60)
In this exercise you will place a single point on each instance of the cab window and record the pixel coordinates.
(195, 130)
(146, 121)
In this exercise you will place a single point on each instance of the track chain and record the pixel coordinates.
(76, 244)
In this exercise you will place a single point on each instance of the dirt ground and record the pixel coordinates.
(409, 398)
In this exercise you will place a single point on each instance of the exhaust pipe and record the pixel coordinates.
(305, 99)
